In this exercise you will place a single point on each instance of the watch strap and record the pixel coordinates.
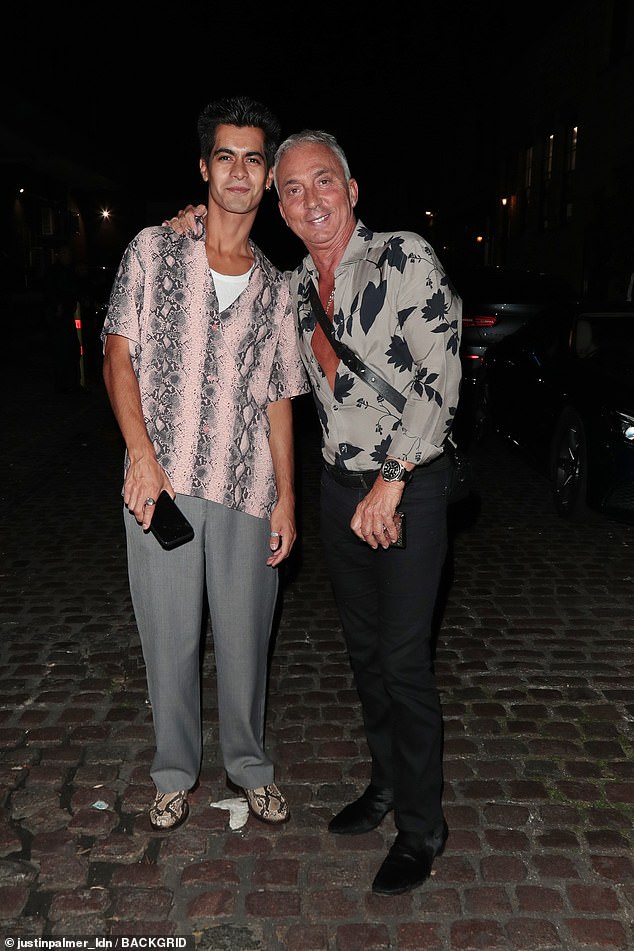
(405, 477)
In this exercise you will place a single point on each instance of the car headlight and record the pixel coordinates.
(626, 423)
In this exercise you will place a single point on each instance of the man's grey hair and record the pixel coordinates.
(311, 137)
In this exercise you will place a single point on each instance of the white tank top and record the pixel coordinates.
(229, 286)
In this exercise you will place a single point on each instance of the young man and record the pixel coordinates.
(390, 301)
(201, 364)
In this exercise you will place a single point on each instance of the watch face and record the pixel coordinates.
(391, 470)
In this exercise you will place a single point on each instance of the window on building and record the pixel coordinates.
(569, 172)
(548, 157)
(528, 171)
(571, 149)
(547, 210)
(47, 221)
(524, 180)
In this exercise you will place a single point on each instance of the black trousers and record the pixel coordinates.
(386, 601)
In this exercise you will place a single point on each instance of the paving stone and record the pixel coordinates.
(93, 822)
(25, 927)
(601, 932)
(63, 870)
(539, 898)
(142, 929)
(184, 847)
(507, 840)
(46, 819)
(45, 843)
(136, 903)
(487, 901)
(13, 899)
(211, 904)
(606, 840)
(138, 874)
(534, 662)
(204, 820)
(592, 898)
(615, 868)
(304, 937)
(210, 872)
(12, 737)
(558, 839)
(86, 796)
(17, 872)
(10, 840)
(79, 902)
(85, 925)
(367, 936)
(45, 736)
(69, 755)
(119, 847)
(95, 775)
(529, 935)
(478, 933)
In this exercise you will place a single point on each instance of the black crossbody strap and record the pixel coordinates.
(350, 359)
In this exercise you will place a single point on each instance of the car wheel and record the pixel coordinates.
(570, 467)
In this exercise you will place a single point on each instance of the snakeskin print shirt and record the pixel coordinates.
(396, 309)
(206, 376)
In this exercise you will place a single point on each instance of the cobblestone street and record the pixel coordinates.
(535, 664)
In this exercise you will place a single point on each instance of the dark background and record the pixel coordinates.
(123, 86)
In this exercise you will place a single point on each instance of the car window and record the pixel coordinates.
(610, 336)
(584, 342)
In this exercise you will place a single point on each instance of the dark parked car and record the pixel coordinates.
(561, 389)
(497, 301)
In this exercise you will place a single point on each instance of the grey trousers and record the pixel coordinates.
(228, 555)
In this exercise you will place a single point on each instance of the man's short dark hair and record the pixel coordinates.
(239, 111)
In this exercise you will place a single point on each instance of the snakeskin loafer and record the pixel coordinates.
(169, 810)
(268, 804)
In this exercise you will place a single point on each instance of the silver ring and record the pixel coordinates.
(275, 534)
(150, 501)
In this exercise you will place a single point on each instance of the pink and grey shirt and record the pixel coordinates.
(207, 376)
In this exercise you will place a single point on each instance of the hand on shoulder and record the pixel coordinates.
(189, 218)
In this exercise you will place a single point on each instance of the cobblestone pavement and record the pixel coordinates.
(536, 670)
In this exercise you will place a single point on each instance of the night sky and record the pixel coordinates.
(129, 82)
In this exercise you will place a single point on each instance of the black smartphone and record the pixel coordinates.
(401, 540)
(169, 526)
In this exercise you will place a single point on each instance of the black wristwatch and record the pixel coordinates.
(394, 471)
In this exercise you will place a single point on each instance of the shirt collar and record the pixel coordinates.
(260, 261)
(356, 250)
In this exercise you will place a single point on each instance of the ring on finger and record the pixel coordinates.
(150, 501)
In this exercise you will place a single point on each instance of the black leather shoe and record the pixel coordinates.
(364, 814)
(409, 862)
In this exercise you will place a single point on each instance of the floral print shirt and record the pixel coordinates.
(396, 309)
(206, 376)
